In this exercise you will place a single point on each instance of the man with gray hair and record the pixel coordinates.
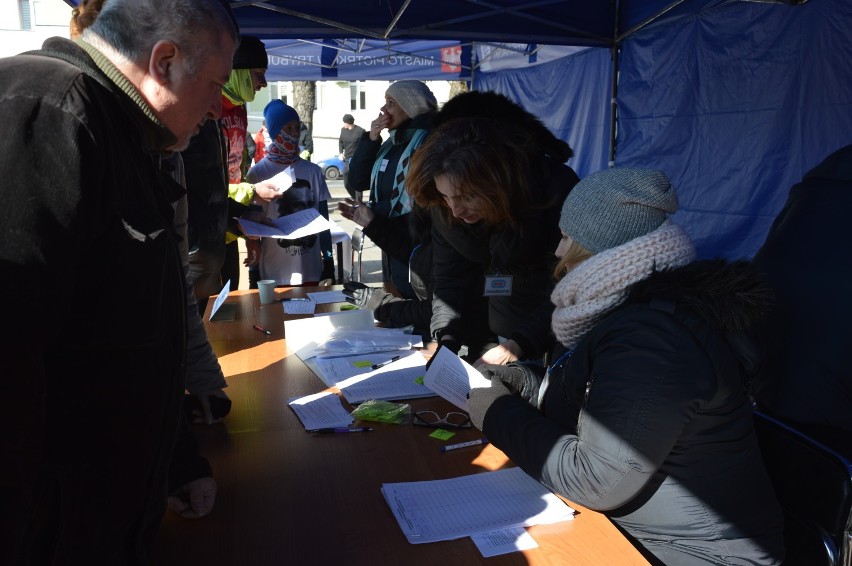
(94, 438)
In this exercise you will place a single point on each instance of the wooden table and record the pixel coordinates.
(290, 497)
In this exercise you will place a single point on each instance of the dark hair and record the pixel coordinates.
(348, 119)
(527, 129)
(480, 160)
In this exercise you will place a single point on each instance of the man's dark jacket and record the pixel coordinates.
(93, 374)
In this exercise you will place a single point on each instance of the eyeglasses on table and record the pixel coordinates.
(434, 420)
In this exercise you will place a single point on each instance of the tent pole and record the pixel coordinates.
(613, 106)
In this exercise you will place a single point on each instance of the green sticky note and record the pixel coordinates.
(419, 380)
(442, 434)
(362, 364)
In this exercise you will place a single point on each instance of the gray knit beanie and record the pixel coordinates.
(611, 207)
(414, 97)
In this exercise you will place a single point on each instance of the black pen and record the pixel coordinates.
(341, 429)
(383, 364)
(292, 299)
(261, 329)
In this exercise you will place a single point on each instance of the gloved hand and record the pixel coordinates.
(357, 293)
(519, 379)
(327, 269)
(364, 296)
(481, 398)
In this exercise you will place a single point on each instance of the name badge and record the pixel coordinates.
(384, 165)
(498, 286)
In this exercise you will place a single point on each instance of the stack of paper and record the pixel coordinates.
(430, 511)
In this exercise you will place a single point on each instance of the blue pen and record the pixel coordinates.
(341, 429)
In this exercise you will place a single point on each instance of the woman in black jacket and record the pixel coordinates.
(644, 414)
(383, 169)
(495, 213)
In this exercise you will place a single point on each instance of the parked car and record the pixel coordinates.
(332, 167)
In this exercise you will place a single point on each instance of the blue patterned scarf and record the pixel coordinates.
(400, 203)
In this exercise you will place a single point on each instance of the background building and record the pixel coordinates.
(25, 24)
(362, 99)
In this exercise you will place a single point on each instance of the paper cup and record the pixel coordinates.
(267, 291)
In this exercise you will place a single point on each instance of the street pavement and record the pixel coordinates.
(371, 273)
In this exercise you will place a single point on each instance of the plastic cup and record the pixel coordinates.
(266, 287)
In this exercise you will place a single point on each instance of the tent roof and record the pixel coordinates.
(556, 22)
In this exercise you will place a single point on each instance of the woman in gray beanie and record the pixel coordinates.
(643, 413)
(382, 169)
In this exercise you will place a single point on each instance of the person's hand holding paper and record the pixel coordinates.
(452, 378)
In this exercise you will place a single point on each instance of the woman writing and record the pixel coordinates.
(644, 415)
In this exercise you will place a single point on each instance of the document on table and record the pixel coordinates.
(305, 335)
(399, 379)
(431, 511)
(321, 410)
(493, 543)
(322, 297)
(300, 307)
(356, 341)
(452, 378)
(291, 226)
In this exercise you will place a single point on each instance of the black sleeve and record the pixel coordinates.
(361, 164)
(392, 235)
(398, 313)
(187, 464)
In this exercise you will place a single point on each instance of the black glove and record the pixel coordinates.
(357, 293)
(327, 269)
(520, 379)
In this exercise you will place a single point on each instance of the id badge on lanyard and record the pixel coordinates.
(498, 286)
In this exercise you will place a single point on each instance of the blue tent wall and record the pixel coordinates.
(571, 96)
(735, 103)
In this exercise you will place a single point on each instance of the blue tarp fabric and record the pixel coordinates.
(735, 103)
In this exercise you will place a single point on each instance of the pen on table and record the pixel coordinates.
(476, 442)
(283, 299)
(341, 429)
(262, 329)
(383, 364)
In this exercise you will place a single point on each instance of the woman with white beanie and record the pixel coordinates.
(382, 168)
(643, 413)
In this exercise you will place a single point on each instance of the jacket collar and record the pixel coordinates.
(156, 136)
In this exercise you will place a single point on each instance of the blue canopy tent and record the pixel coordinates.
(365, 59)
(734, 99)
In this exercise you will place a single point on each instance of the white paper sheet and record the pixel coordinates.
(321, 410)
(220, 298)
(494, 543)
(291, 226)
(452, 378)
(305, 334)
(436, 510)
(300, 307)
